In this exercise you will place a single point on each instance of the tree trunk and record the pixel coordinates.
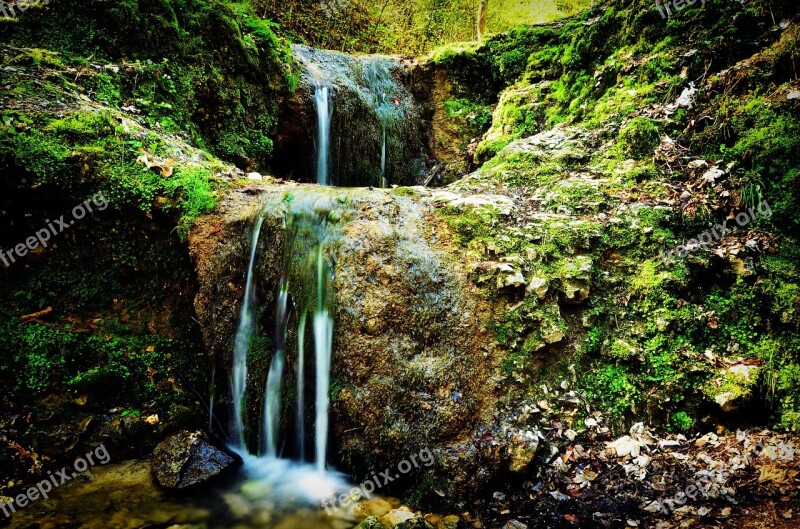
(483, 18)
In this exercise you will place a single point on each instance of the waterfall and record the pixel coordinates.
(305, 296)
(300, 415)
(323, 104)
(242, 341)
(323, 342)
(381, 83)
(272, 393)
(371, 135)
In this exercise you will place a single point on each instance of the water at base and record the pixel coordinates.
(265, 494)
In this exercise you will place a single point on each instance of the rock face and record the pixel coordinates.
(413, 355)
(187, 459)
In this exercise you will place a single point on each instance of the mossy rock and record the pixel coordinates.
(639, 137)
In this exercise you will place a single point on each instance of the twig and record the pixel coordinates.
(37, 315)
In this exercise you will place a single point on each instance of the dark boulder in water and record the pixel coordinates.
(188, 458)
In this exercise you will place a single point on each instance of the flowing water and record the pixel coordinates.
(267, 494)
(284, 479)
(312, 230)
(323, 105)
(242, 342)
(368, 126)
(387, 108)
(311, 220)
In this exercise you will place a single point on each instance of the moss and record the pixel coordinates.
(737, 386)
(612, 387)
(471, 225)
(406, 191)
(681, 422)
(476, 117)
(58, 153)
(169, 70)
(639, 137)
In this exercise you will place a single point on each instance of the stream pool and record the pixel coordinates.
(124, 496)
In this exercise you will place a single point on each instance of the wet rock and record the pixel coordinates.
(397, 291)
(443, 522)
(373, 508)
(189, 458)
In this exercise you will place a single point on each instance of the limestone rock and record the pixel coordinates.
(522, 450)
(374, 507)
(552, 335)
(443, 522)
(538, 287)
(187, 459)
(371, 522)
(575, 290)
(734, 386)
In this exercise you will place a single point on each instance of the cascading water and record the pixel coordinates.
(383, 87)
(304, 299)
(272, 393)
(311, 227)
(323, 342)
(242, 341)
(384, 183)
(324, 108)
(371, 135)
(311, 221)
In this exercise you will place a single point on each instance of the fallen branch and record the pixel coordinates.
(37, 315)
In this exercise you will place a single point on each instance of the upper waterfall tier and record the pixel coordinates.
(367, 98)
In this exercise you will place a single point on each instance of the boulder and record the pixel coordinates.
(189, 458)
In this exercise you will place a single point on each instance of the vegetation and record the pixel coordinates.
(599, 140)
(598, 91)
(397, 26)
